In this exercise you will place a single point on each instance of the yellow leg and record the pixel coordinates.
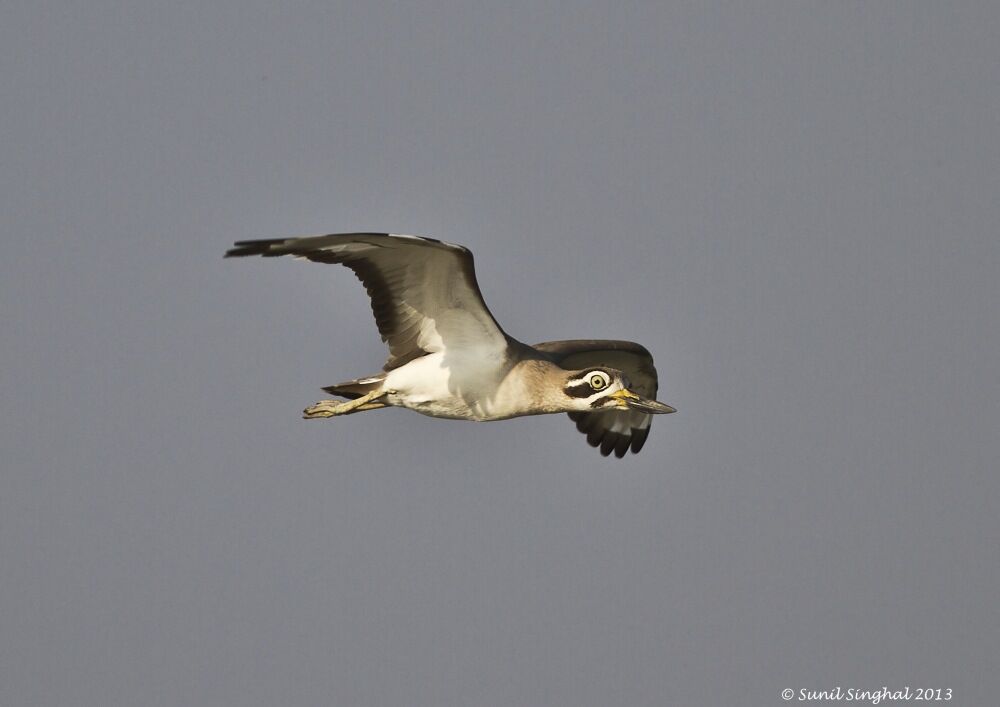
(333, 408)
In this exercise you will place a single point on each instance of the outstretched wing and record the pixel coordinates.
(423, 291)
(612, 430)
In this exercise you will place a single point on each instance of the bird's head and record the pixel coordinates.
(602, 388)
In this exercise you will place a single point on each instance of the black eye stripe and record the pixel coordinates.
(600, 401)
(579, 390)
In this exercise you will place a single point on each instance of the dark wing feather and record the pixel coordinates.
(424, 293)
(611, 430)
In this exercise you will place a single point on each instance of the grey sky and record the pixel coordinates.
(793, 205)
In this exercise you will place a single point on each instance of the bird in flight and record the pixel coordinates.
(448, 356)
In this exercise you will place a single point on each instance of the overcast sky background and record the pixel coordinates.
(794, 205)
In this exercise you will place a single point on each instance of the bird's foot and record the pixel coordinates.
(333, 408)
(325, 408)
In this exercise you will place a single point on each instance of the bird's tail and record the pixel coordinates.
(352, 390)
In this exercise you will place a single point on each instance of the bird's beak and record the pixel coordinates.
(627, 399)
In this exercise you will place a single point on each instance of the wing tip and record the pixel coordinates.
(607, 441)
(639, 436)
(265, 248)
(270, 247)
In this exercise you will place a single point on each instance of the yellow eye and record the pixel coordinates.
(597, 381)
